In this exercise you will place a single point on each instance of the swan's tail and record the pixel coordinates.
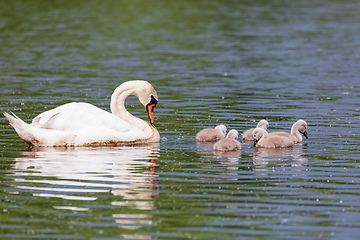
(21, 127)
(35, 136)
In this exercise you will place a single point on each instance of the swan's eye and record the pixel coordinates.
(153, 101)
(150, 107)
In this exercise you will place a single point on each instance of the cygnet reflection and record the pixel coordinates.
(296, 154)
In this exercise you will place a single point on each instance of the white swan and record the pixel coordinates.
(263, 139)
(82, 124)
(248, 134)
(298, 128)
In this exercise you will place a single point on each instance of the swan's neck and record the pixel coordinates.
(295, 132)
(118, 109)
(265, 134)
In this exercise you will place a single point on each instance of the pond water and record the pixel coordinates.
(211, 62)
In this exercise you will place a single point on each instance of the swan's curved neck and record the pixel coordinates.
(264, 135)
(117, 107)
(295, 132)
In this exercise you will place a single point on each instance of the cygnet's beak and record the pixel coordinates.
(150, 107)
(255, 142)
(305, 134)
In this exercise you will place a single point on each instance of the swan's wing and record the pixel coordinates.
(285, 134)
(75, 117)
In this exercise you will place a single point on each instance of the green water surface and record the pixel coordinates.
(211, 62)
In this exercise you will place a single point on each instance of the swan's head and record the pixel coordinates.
(142, 90)
(147, 96)
(263, 124)
(258, 134)
(300, 126)
(233, 134)
(222, 129)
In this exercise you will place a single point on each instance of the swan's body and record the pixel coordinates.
(263, 139)
(299, 128)
(211, 134)
(230, 143)
(248, 134)
(82, 124)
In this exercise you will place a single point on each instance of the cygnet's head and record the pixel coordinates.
(300, 126)
(258, 134)
(233, 134)
(263, 124)
(221, 128)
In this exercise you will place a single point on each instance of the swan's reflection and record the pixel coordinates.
(233, 156)
(205, 147)
(80, 173)
(277, 156)
(208, 148)
(228, 160)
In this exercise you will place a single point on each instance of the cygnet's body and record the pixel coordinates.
(298, 128)
(248, 134)
(263, 139)
(211, 134)
(230, 143)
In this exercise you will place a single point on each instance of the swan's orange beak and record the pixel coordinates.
(150, 107)
(150, 110)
